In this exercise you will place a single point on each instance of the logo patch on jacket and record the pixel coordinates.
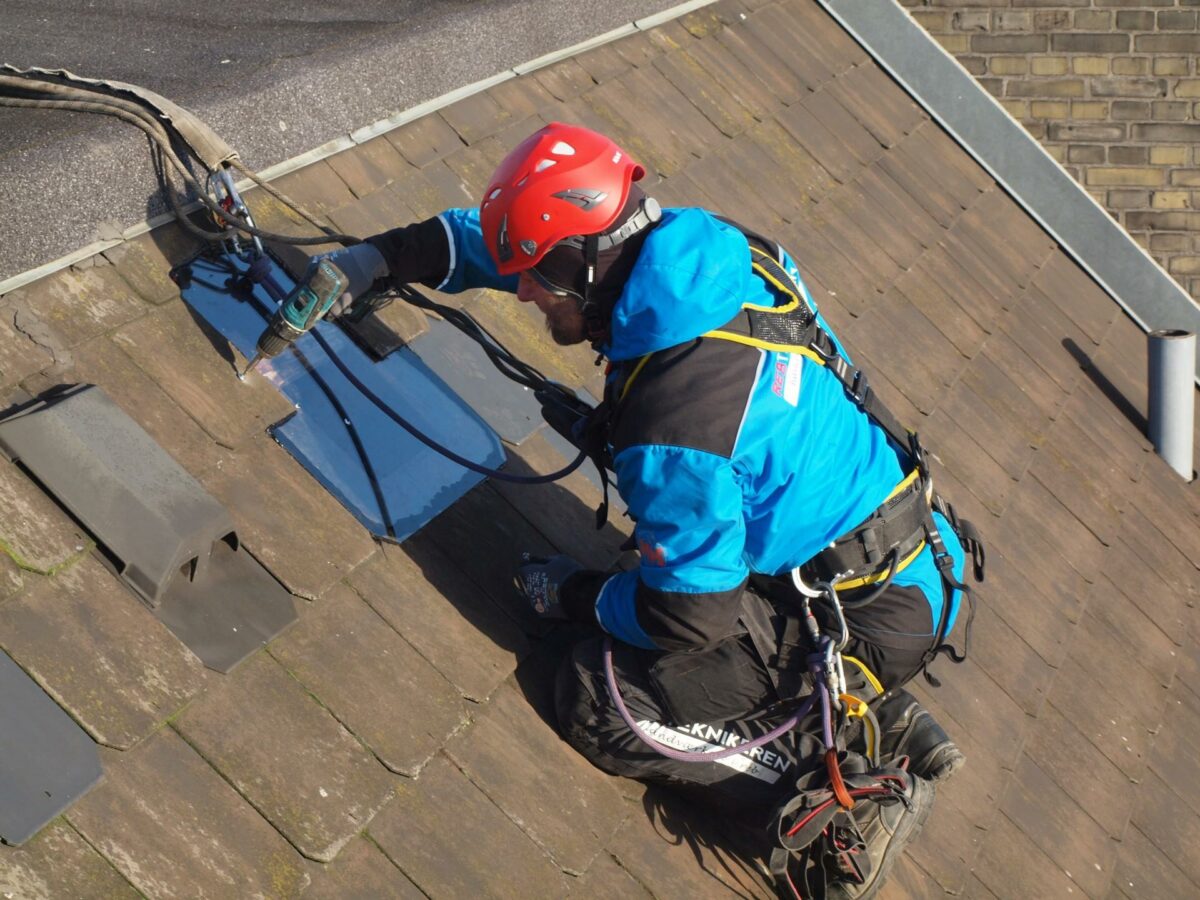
(786, 382)
(654, 554)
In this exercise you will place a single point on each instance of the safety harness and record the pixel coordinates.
(883, 545)
(818, 840)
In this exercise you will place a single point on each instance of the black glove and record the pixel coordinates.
(565, 413)
(363, 266)
(540, 579)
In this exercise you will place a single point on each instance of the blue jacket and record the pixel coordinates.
(804, 465)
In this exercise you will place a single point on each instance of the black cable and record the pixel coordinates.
(75, 99)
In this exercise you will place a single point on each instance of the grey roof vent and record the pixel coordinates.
(156, 526)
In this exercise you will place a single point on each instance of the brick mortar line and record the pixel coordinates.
(361, 136)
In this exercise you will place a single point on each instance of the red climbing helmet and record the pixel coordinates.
(561, 182)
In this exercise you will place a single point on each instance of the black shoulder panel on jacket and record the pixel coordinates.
(693, 396)
(677, 621)
(417, 253)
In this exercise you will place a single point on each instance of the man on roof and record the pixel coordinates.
(765, 482)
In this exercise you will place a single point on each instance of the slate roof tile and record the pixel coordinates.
(1014, 665)
(452, 841)
(1173, 756)
(57, 862)
(622, 106)
(482, 534)
(1053, 819)
(377, 211)
(1018, 597)
(261, 485)
(565, 80)
(946, 847)
(565, 510)
(606, 878)
(523, 766)
(201, 373)
(145, 262)
(759, 60)
(372, 681)
(602, 63)
(925, 191)
(361, 872)
(1083, 489)
(316, 188)
(431, 189)
(368, 166)
(636, 49)
(288, 756)
(11, 581)
(704, 92)
(773, 30)
(1110, 604)
(462, 633)
(737, 79)
(1078, 296)
(1046, 336)
(882, 107)
(1142, 867)
(1177, 834)
(1012, 864)
(34, 531)
(184, 832)
(424, 140)
(673, 852)
(1144, 538)
(1147, 588)
(476, 116)
(790, 162)
(1063, 754)
(1099, 710)
(925, 293)
(64, 310)
(124, 673)
(889, 235)
(818, 32)
(20, 355)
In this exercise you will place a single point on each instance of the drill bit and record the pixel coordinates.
(254, 362)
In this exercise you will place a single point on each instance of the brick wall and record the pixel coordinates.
(1111, 88)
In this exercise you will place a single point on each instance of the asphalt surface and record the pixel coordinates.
(273, 79)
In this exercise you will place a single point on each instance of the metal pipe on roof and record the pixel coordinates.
(1172, 364)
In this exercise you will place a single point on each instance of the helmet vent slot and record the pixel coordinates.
(544, 164)
(562, 148)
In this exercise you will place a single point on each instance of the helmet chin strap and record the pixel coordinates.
(593, 320)
(647, 215)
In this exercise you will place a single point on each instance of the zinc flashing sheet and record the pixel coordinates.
(404, 483)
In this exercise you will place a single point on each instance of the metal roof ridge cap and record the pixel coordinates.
(951, 96)
(359, 136)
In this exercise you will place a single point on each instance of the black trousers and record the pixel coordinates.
(695, 701)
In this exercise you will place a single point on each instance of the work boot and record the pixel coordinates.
(886, 831)
(908, 729)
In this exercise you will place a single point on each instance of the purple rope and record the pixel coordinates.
(614, 694)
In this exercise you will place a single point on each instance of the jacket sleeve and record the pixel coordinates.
(445, 253)
(686, 594)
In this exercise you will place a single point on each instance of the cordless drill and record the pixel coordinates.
(323, 283)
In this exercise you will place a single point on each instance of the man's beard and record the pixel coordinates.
(565, 323)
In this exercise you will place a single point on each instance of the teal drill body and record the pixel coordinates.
(312, 297)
